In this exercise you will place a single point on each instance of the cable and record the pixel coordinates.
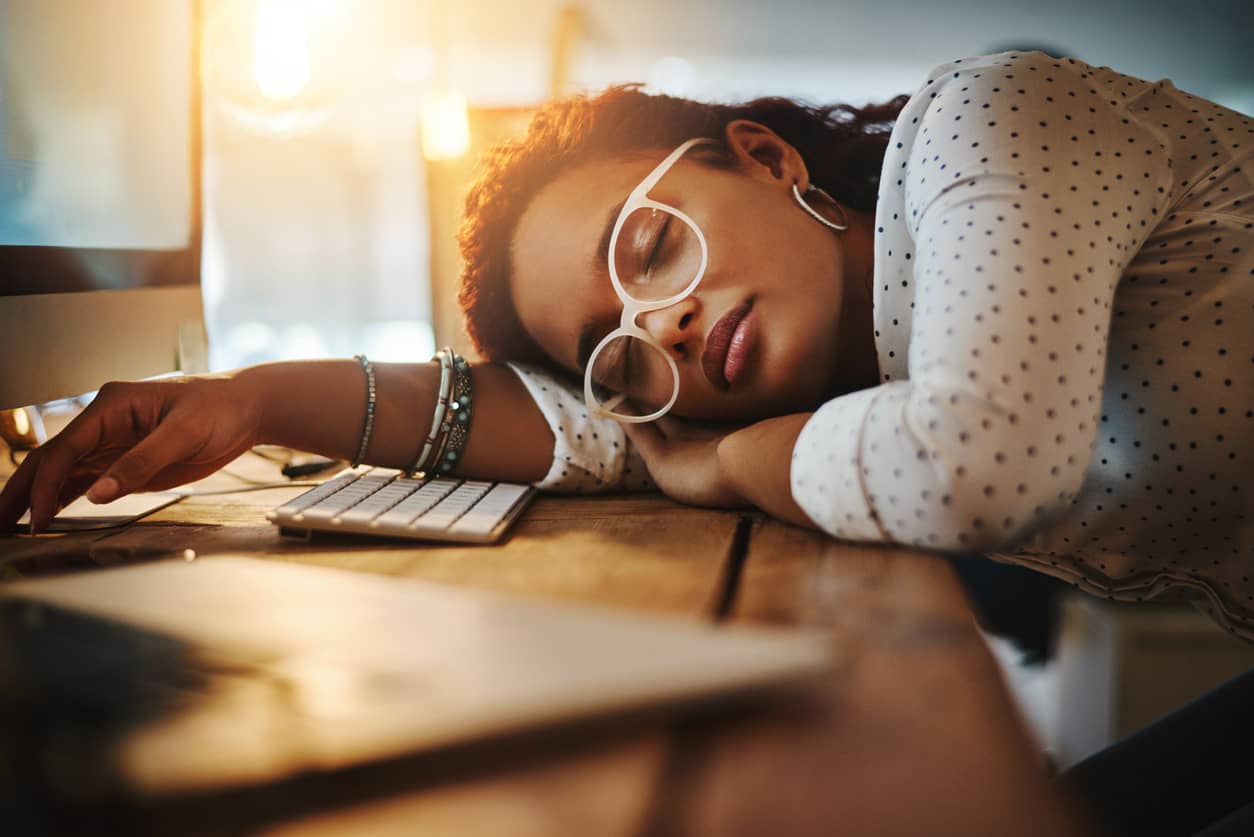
(296, 470)
(256, 486)
(281, 460)
(246, 480)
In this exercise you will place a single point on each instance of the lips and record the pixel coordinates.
(722, 339)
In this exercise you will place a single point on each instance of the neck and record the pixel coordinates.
(859, 362)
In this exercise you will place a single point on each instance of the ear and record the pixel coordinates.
(764, 153)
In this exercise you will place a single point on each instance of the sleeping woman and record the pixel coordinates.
(1007, 314)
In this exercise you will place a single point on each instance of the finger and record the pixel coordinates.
(673, 431)
(76, 484)
(647, 438)
(111, 415)
(54, 463)
(669, 426)
(181, 473)
(15, 496)
(135, 469)
(675, 427)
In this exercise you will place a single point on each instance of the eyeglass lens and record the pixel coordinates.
(657, 256)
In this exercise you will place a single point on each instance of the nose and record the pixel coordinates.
(674, 327)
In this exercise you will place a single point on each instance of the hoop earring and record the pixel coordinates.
(796, 193)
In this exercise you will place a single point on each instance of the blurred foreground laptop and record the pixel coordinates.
(171, 678)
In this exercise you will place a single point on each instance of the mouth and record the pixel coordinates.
(727, 346)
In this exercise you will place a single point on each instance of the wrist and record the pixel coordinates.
(733, 472)
(251, 385)
(248, 389)
(756, 463)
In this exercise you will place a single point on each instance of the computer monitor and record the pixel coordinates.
(99, 195)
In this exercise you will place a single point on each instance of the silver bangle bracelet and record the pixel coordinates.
(368, 425)
(445, 357)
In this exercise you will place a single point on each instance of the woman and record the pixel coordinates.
(1003, 316)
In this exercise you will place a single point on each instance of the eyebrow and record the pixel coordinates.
(588, 332)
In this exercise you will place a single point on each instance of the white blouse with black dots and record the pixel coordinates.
(1064, 291)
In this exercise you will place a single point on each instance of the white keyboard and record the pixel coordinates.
(383, 501)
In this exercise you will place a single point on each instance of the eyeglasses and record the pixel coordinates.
(657, 256)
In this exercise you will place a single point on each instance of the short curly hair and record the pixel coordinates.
(843, 148)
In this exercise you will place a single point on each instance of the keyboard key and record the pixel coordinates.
(387, 502)
(375, 505)
(340, 502)
(487, 513)
(316, 494)
(468, 494)
(437, 519)
(501, 497)
(440, 517)
(415, 504)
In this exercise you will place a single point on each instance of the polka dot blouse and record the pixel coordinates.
(1064, 284)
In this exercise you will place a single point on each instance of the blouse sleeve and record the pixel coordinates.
(1025, 199)
(589, 455)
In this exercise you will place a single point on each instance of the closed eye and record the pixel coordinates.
(612, 367)
(659, 241)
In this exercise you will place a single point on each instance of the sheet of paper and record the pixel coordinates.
(84, 514)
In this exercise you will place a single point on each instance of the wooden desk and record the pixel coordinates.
(915, 734)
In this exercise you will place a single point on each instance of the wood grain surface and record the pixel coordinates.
(912, 733)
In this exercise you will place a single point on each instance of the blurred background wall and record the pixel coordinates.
(329, 230)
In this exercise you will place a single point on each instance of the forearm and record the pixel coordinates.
(756, 462)
(320, 406)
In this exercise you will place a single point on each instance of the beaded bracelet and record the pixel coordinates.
(457, 425)
(445, 357)
(442, 438)
(368, 425)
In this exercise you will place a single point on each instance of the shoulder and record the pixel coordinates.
(975, 95)
(1030, 119)
(1011, 73)
(957, 99)
(1000, 97)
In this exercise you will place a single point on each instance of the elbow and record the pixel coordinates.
(985, 512)
(983, 479)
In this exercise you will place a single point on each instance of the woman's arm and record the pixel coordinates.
(1012, 231)
(319, 406)
(153, 435)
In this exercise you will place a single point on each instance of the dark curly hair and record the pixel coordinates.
(843, 148)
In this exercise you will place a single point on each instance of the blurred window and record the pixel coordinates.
(316, 240)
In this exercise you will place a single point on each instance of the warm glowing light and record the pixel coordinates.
(413, 63)
(21, 422)
(281, 49)
(445, 125)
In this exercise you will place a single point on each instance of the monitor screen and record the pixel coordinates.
(99, 193)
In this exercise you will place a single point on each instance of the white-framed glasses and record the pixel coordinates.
(657, 256)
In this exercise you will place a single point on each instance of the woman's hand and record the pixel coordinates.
(144, 436)
(682, 458)
(724, 466)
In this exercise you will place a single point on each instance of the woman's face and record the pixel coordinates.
(797, 293)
